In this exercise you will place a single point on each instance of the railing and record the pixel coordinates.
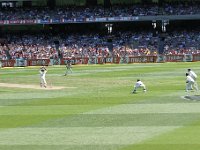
(100, 19)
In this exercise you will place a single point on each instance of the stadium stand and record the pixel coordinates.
(138, 30)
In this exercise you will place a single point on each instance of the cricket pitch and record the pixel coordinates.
(25, 86)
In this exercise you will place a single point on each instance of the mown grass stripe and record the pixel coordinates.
(46, 110)
(60, 147)
(119, 120)
(119, 109)
(87, 120)
(149, 108)
(80, 135)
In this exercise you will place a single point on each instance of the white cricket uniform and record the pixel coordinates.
(194, 77)
(139, 84)
(68, 68)
(189, 83)
(43, 82)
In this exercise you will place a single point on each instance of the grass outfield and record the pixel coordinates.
(99, 112)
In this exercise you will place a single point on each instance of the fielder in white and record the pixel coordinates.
(139, 84)
(190, 82)
(194, 77)
(68, 67)
(43, 72)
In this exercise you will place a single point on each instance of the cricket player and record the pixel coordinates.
(68, 67)
(43, 72)
(194, 77)
(139, 84)
(190, 83)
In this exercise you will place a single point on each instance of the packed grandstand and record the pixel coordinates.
(140, 31)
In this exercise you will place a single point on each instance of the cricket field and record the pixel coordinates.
(93, 108)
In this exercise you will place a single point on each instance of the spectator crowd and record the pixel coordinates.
(46, 46)
(81, 13)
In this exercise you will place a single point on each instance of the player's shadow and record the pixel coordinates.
(193, 97)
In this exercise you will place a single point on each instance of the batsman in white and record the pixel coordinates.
(43, 72)
(139, 84)
(194, 77)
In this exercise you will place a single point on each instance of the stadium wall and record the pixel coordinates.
(100, 60)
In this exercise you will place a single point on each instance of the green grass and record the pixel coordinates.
(100, 113)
